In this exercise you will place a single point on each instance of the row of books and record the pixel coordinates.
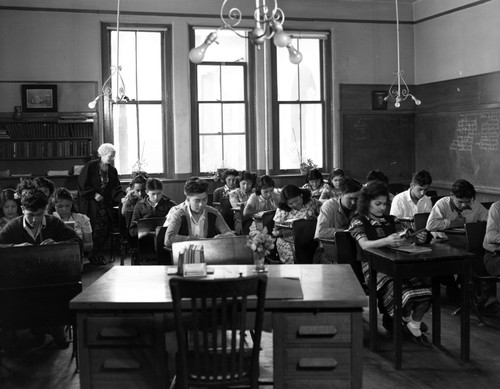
(36, 130)
(191, 262)
(45, 149)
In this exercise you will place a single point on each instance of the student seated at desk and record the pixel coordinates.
(48, 188)
(155, 204)
(315, 183)
(372, 228)
(295, 203)
(491, 244)
(134, 193)
(242, 194)
(333, 190)
(336, 215)
(229, 177)
(10, 207)
(457, 209)
(174, 209)
(65, 210)
(34, 227)
(406, 204)
(195, 219)
(265, 198)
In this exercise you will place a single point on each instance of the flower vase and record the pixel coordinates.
(258, 260)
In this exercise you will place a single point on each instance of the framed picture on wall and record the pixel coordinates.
(378, 101)
(39, 98)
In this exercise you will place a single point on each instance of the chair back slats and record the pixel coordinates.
(474, 236)
(347, 253)
(146, 235)
(211, 332)
(303, 237)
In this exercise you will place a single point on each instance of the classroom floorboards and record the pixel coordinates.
(46, 367)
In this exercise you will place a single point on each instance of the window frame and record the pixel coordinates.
(326, 75)
(168, 156)
(249, 94)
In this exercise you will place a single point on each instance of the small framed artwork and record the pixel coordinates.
(39, 98)
(378, 101)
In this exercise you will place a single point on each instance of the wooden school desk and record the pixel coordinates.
(442, 260)
(317, 336)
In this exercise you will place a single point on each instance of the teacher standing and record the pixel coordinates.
(99, 190)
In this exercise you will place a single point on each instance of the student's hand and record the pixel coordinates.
(277, 232)
(394, 240)
(421, 237)
(23, 244)
(458, 222)
(98, 197)
(48, 241)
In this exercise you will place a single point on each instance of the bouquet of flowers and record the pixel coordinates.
(260, 242)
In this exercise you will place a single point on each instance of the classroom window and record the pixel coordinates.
(138, 125)
(299, 93)
(220, 106)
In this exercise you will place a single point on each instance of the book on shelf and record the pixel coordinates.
(57, 173)
(26, 174)
(76, 169)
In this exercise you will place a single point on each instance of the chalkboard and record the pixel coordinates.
(385, 142)
(454, 145)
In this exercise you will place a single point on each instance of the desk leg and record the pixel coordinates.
(373, 306)
(398, 319)
(436, 311)
(465, 317)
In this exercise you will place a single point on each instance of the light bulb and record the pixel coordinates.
(93, 103)
(281, 38)
(397, 104)
(417, 101)
(197, 54)
(258, 35)
(295, 56)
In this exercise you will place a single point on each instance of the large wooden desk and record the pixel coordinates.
(443, 260)
(317, 340)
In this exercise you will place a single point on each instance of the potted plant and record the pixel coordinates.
(307, 166)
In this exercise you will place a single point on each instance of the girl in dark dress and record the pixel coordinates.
(372, 228)
(99, 190)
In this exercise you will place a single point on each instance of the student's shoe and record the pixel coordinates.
(421, 341)
(424, 328)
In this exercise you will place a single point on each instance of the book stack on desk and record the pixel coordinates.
(191, 262)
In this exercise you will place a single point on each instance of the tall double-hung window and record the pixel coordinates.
(220, 103)
(138, 124)
(300, 94)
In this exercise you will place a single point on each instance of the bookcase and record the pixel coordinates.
(36, 145)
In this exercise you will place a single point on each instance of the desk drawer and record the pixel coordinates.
(315, 363)
(124, 368)
(318, 328)
(119, 330)
(317, 384)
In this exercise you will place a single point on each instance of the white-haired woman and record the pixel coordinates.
(99, 190)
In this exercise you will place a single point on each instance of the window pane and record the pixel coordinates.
(127, 62)
(125, 137)
(208, 83)
(149, 76)
(210, 153)
(312, 134)
(287, 72)
(289, 136)
(234, 118)
(209, 118)
(234, 151)
(151, 137)
(231, 47)
(309, 70)
(232, 81)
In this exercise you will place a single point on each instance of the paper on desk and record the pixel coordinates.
(284, 288)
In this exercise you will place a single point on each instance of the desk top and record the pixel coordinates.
(440, 252)
(146, 287)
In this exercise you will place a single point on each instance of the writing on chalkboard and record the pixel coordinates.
(361, 130)
(480, 129)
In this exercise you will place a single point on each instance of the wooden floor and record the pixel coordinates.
(46, 367)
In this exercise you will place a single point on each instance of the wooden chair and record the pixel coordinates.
(303, 238)
(211, 317)
(474, 233)
(36, 285)
(420, 220)
(347, 253)
(241, 223)
(146, 234)
(266, 221)
(225, 209)
(220, 251)
(163, 254)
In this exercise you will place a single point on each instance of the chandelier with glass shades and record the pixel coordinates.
(268, 24)
(399, 90)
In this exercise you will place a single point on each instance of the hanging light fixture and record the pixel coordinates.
(268, 24)
(399, 90)
(106, 89)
